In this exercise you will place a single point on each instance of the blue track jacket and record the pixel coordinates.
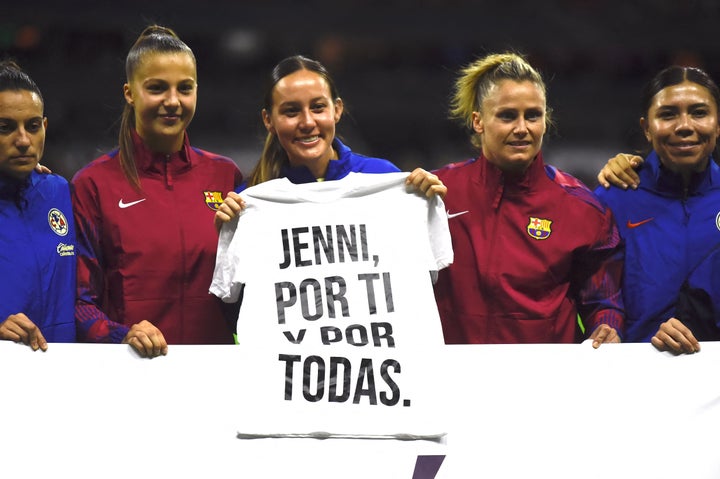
(668, 231)
(37, 254)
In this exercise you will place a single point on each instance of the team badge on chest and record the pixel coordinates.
(539, 228)
(57, 221)
(213, 199)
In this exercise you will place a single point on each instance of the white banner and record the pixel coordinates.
(561, 411)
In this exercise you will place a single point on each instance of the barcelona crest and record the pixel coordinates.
(539, 228)
(213, 199)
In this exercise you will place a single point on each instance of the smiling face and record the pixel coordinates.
(682, 125)
(163, 92)
(511, 124)
(303, 117)
(22, 132)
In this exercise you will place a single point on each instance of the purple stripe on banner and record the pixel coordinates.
(426, 467)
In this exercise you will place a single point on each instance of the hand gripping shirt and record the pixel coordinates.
(149, 254)
(37, 254)
(667, 231)
(531, 254)
(347, 162)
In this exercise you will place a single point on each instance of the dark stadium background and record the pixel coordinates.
(394, 63)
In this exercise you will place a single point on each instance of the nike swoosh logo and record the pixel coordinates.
(631, 225)
(453, 215)
(128, 205)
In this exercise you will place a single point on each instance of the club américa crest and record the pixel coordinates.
(213, 199)
(57, 221)
(539, 228)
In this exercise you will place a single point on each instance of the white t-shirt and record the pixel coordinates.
(338, 312)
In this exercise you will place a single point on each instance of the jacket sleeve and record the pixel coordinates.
(93, 325)
(599, 278)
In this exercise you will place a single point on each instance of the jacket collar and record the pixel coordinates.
(493, 176)
(670, 183)
(500, 185)
(336, 168)
(153, 162)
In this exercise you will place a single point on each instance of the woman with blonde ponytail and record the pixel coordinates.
(146, 242)
(534, 248)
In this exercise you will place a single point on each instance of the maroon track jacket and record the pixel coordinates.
(150, 254)
(530, 254)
